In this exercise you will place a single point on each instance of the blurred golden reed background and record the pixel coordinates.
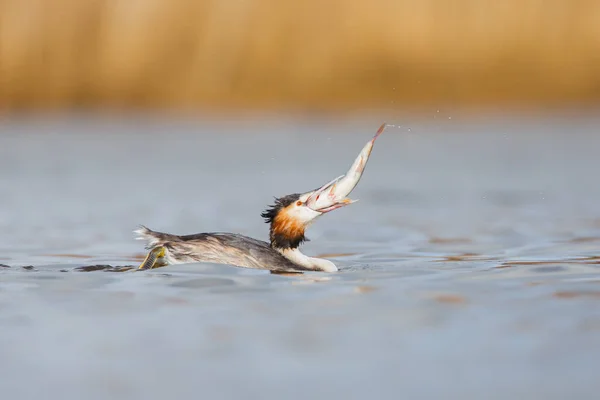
(308, 54)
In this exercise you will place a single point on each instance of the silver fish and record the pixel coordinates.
(334, 194)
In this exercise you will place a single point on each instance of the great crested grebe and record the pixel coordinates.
(288, 219)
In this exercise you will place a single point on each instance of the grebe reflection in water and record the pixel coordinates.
(288, 218)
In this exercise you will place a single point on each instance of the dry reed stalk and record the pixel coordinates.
(311, 54)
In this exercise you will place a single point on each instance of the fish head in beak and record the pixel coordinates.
(327, 198)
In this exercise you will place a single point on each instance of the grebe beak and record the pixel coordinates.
(332, 195)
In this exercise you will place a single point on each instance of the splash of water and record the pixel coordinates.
(397, 126)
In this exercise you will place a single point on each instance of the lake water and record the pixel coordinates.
(469, 267)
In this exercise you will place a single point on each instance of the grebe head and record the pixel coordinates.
(289, 216)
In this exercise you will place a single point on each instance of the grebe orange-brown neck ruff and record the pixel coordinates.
(288, 218)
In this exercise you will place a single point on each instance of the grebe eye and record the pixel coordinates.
(298, 203)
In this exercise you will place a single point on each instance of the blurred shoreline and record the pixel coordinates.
(270, 55)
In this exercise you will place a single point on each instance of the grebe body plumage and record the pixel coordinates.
(221, 248)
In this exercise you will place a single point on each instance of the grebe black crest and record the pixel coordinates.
(288, 219)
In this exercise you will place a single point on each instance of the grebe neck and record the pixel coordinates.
(312, 263)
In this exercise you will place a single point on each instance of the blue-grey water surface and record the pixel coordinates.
(469, 267)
